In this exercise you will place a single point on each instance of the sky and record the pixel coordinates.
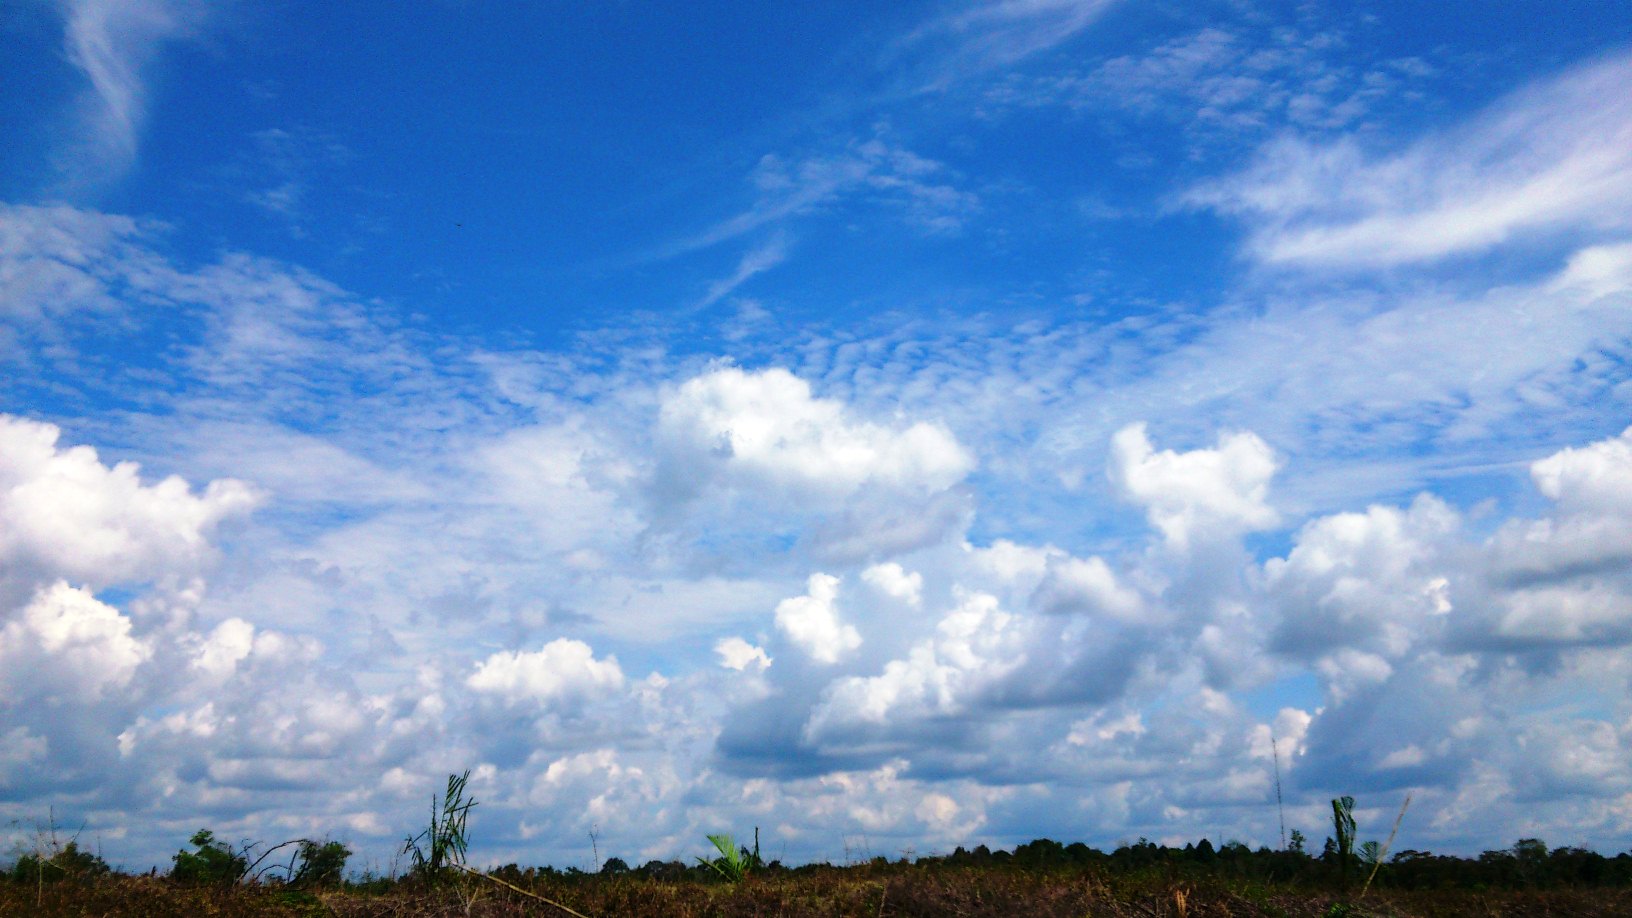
(891, 426)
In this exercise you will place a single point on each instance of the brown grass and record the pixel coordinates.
(901, 891)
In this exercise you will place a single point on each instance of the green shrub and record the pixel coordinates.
(320, 864)
(68, 863)
(213, 862)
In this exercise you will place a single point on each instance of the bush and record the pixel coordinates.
(213, 862)
(320, 864)
(70, 863)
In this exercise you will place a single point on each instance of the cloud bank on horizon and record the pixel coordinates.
(952, 425)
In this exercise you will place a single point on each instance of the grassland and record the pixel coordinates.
(879, 889)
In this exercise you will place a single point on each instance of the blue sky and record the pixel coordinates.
(930, 424)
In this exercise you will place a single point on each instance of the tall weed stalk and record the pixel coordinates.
(443, 843)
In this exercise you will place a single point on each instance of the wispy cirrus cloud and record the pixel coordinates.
(112, 44)
(757, 260)
(875, 172)
(989, 35)
(1554, 158)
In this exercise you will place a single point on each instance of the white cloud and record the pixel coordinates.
(463, 502)
(766, 428)
(1553, 157)
(1232, 81)
(974, 646)
(894, 580)
(756, 453)
(1199, 494)
(812, 621)
(1576, 614)
(65, 513)
(872, 171)
(736, 653)
(225, 647)
(67, 644)
(57, 260)
(1075, 585)
(999, 33)
(759, 259)
(112, 43)
(1595, 478)
(563, 669)
(1367, 580)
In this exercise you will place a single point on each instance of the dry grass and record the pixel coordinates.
(895, 890)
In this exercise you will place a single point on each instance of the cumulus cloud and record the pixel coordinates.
(1595, 478)
(894, 580)
(563, 670)
(975, 645)
(63, 513)
(1547, 159)
(67, 644)
(736, 653)
(1086, 586)
(1367, 581)
(812, 621)
(1196, 495)
(767, 429)
(761, 443)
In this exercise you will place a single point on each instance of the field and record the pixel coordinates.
(875, 889)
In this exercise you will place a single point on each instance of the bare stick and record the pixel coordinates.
(250, 876)
(1383, 855)
(515, 888)
(1279, 806)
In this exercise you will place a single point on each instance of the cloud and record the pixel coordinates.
(56, 261)
(1596, 478)
(65, 644)
(812, 621)
(757, 260)
(563, 669)
(997, 33)
(765, 428)
(874, 171)
(733, 442)
(112, 44)
(477, 545)
(892, 579)
(1198, 494)
(1233, 82)
(736, 653)
(1074, 585)
(1545, 161)
(63, 513)
(973, 647)
(1367, 580)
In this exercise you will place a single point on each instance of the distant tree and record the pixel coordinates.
(1298, 841)
(320, 864)
(613, 866)
(67, 863)
(213, 862)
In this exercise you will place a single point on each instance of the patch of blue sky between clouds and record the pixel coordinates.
(952, 423)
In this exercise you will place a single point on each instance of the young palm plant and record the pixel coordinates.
(1343, 828)
(734, 862)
